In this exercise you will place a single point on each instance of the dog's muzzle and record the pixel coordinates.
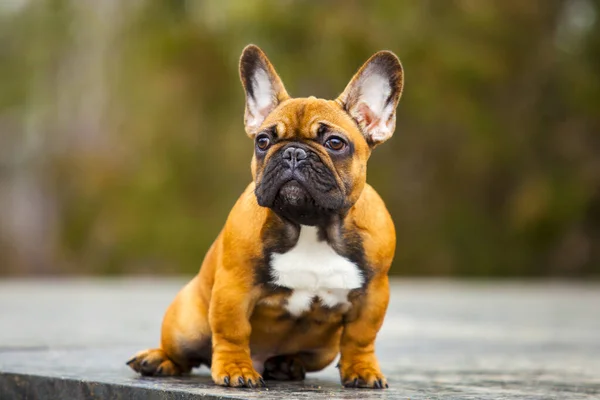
(297, 185)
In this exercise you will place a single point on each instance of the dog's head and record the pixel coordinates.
(310, 155)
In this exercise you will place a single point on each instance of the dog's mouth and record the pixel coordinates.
(294, 202)
(293, 194)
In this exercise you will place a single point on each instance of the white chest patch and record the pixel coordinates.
(313, 269)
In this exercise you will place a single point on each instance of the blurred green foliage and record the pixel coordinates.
(124, 120)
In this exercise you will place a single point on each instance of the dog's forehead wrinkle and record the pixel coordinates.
(300, 112)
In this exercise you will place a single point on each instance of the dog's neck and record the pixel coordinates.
(329, 227)
(282, 235)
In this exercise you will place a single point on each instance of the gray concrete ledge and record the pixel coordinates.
(441, 340)
(22, 386)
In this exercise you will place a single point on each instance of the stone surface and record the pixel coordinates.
(441, 340)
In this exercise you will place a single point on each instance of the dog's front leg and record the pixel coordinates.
(358, 363)
(232, 301)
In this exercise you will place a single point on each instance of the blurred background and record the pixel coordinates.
(122, 145)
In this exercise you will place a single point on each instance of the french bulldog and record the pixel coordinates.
(299, 273)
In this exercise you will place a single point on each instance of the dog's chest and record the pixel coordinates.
(314, 272)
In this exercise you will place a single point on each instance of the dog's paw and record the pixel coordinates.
(284, 368)
(360, 374)
(235, 372)
(154, 362)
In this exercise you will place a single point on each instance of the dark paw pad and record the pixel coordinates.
(284, 368)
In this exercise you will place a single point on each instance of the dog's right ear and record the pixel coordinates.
(264, 89)
(372, 96)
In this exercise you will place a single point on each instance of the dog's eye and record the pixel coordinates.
(335, 143)
(263, 142)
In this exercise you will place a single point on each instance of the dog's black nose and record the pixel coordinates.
(293, 156)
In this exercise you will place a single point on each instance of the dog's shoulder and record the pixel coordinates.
(246, 218)
(375, 223)
(240, 237)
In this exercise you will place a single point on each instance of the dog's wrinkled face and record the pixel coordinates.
(309, 160)
(310, 154)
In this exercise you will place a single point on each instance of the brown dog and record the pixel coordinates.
(299, 272)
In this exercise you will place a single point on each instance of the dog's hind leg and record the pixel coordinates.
(185, 337)
(155, 362)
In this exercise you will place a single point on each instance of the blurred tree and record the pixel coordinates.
(122, 147)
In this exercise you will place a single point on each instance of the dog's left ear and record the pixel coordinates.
(372, 95)
(264, 89)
